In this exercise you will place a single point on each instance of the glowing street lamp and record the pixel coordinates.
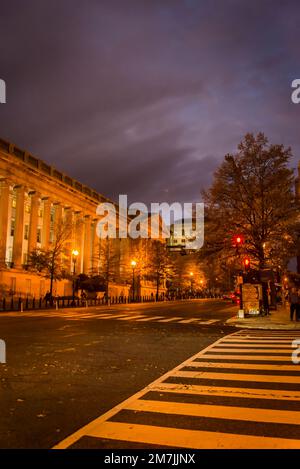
(75, 254)
(133, 265)
(191, 278)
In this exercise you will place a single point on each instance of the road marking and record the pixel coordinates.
(227, 391)
(243, 366)
(238, 377)
(267, 352)
(151, 318)
(169, 319)
(181, 438)
(257, 341)
(265, 346)
(277, 358)
(132, 318)
(210, 321)
(104, 427)
(187, 321)
(215, 411)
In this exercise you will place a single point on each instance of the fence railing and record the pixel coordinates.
(28, 304)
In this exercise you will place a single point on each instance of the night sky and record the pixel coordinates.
(145, 97)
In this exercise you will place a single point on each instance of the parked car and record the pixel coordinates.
(234, 297)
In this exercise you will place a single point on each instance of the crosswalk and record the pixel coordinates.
(80, 314)
(242, 392)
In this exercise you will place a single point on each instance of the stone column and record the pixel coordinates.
(96, 248)
(19, 228)
(79, 241)
(34, 212)
(4, 207)
(58, 215)
(57, 225)
(46, 223)
(87, 245)
(68, 220)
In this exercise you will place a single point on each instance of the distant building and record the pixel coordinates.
(180, 233)
(34, 198)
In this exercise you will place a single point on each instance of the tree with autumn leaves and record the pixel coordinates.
(252, 195)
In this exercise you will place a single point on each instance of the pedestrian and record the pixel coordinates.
(294, 303)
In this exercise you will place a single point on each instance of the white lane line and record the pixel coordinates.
(151, 318)
(260, 351)
(170, 319)
(267, 358)
(243, 366)
(238, 377)
(132, 317)
(251, 393)
(187, 321)
(182, 438)
(216, 411)
(210, 321)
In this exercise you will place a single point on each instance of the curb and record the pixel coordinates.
(235, 322)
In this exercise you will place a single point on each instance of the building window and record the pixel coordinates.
(26, 231)
(39, 235)
(12, 227)
(14, 202)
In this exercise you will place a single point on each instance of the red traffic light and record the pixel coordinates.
(237, 240)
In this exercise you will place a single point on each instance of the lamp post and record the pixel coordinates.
(74, 259)
(133, 265)
(191, 278)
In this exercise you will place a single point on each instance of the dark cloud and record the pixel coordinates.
(145, 97)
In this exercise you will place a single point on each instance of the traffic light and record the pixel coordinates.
(237, 240)
(247, 263)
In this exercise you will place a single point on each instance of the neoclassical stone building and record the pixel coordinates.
(34, 199)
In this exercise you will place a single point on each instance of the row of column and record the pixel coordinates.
(84, 237)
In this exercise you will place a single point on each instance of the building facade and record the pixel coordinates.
(35, 199)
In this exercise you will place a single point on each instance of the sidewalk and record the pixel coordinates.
(279, 319)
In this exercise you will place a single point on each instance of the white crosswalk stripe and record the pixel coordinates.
(236, 393)
(77, 315)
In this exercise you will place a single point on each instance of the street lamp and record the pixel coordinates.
(74, 259)
(191, 277)
(133, 265)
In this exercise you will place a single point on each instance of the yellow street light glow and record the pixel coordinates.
(133, 263)
(191, 274)
(201, 281)
(75, 252)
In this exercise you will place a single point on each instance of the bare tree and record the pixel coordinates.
(48, 262)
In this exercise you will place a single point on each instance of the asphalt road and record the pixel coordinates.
(65, 368)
